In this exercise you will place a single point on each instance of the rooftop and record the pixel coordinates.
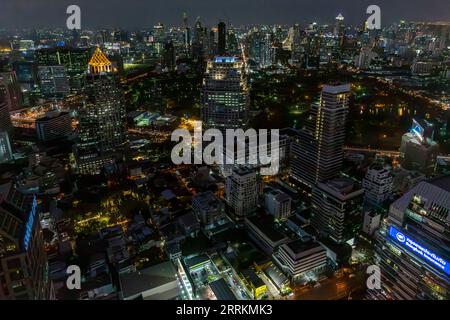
(146, 279)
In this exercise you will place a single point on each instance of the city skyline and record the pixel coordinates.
(105, 193)
(136, 14)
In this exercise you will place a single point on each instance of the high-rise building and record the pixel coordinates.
(169, 56)
(337, 207)
(102, 123)
(412, 247)
(75, 61)
(23, 260)
(5, 147)
(10, 90)
(54, 125)
(242, 191)
(339, 29)
(225, 94)
(418, 150)
(318, 149)
(5, 118)
(377, 185)
(222, 38)
(53, 81)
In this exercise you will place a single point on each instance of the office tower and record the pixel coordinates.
(6, 154)
(102, 132)
(242, 191)
(23, 260)
(200, 43)
(10, 90)
(225, 94)
(5, 118)
(54, 125)
(337, 209)
(53, 81)
(377, 185)
(297, 50)
(412, 247)
(339, 29)
(169, 56)
(278, 204)
(186, 34)
(75, 61)
(222, 38)
(317, 151)
(418, 150)
(207, 208)
(159, 33)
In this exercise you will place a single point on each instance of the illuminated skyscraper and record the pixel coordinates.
(339, 29)
(225, 94)
(23, 261)
(102, 131)
(318, 150)
(412, 248)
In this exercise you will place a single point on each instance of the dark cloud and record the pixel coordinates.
(145, 13)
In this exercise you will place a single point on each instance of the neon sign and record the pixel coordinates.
(419, 250)
(29, 224)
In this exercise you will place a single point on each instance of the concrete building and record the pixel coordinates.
(377, 185)
(207, 208)
(54, 125)
(317, 153)
(241, 192)
(337, 209)
(372, 221)
(297, 258)
(158, 282)
(278, 204)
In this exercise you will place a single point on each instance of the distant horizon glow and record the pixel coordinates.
(145, 14)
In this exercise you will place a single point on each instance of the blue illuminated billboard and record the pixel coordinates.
(29, 224)
(419, 250)
(225, 59)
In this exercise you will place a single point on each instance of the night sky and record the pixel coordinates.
(133, 14)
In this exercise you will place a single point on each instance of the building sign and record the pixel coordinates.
(419, 250)
(29, 224)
